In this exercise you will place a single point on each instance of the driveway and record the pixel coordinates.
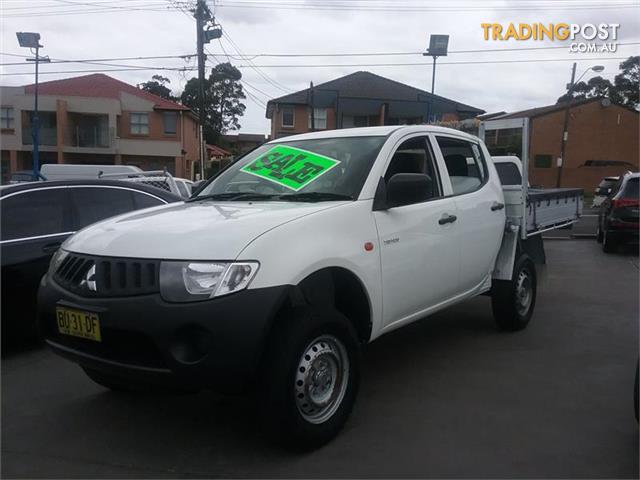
(446, 397)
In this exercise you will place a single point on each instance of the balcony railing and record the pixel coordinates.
(48, 136)
(88, 136)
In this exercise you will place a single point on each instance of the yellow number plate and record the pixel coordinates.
(78, 324)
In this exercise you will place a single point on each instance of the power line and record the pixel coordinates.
(338, 65)
(390, 54)
(395, 8)
(188, 56)
(273, 82)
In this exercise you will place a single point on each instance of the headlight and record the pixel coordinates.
(56, 260)
(193, 281)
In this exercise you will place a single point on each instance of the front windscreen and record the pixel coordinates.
(321, 168)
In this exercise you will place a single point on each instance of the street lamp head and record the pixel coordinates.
(597, 68)
(29, 39)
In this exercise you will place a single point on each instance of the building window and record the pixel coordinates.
(6, 118)
(287, 117)
(319, 118)
(139, 123)
(542, 161)
(170, 120)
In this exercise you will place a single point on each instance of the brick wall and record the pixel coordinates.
(595, 133)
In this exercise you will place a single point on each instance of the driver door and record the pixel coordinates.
(419, 257)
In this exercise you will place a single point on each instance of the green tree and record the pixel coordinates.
(627, 83)
(623, 91)
(223, 100)
(158, 86)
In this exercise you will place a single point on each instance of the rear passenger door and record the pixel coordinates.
(418, 250)
(480, 205)
(34, 224)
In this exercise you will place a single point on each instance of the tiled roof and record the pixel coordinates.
(216, 151)
(369, 85)
(102, 86)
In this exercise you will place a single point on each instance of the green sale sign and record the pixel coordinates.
(290, 167)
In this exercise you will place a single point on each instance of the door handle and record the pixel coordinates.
(497, 206)
(51, 247)
(446, 218)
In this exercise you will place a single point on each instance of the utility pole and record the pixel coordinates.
(565, 127)
(311, 102)
(204, 18)
(201, 7)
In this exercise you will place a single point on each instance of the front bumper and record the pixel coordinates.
(211, 344)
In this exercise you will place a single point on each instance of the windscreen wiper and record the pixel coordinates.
(314, 197)
(230, 196)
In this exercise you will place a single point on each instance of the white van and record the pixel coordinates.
(61, 171)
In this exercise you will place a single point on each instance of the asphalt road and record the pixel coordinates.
(446, 397)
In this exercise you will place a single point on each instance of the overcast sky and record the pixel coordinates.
(74, 29)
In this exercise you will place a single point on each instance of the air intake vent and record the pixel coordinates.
(107, 276)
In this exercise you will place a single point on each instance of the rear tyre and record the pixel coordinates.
(310, 378)
(609, 243)
(599, 235)
(513, 300)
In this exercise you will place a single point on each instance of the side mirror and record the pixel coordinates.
(402, 189)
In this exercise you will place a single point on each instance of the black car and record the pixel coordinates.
(619, 213)
(37, 217)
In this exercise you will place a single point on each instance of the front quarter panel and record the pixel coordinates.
(331, 238)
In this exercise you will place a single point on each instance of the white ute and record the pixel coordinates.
(273, 277)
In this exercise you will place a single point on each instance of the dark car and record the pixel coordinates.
(620, 213)
(37, 217)
(603, 190)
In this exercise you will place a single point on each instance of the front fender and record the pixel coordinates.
(329, 238)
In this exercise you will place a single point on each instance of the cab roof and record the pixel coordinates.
(374, 131)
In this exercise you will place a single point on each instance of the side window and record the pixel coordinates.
(464, 164)
(415, 156)
(91, 205)
(145, 201)
(34, 213)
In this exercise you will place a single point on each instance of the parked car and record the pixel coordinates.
(277, 272)
(37, 217)
(619, 216)
(603, 190)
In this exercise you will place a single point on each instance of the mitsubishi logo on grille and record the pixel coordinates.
(89, 280)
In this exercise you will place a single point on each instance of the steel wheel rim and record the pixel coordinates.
(321, 380)
(524, 293)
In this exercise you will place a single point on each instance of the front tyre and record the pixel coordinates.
(513, 300)
(310, 378)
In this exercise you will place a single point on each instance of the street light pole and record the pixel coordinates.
(32, 40)
(438, 45)
(567, 111)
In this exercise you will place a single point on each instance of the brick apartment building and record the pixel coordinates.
(603, 140)
(360, 99)
(96, 119)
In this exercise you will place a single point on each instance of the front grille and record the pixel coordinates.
(90, 276)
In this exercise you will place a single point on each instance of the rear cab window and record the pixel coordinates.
(508, 173)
